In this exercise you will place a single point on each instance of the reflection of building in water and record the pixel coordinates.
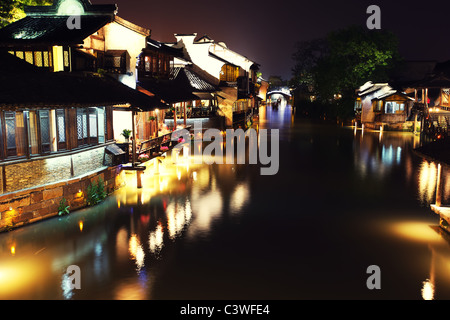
(378, 153)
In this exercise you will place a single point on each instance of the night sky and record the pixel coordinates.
(266, 31)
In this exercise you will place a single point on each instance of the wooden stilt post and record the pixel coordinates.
(174, 117)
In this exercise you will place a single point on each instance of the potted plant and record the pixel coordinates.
(151, 118)
(126, 134)
(143, 157)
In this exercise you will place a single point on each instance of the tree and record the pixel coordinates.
(306, 57)
(13, 10)
(357, 55)
(340, 63)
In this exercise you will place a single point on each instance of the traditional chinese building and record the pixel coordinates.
(162, 71)
(67, 90)
(77, 36)
(55, 130)
(378, 105)
(233, 73)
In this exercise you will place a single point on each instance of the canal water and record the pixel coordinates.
(342, 200)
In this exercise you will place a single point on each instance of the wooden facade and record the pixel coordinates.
(29, 133)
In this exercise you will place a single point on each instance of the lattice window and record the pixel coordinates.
(10, 121)
(45, 127)
(92, 122)
(46, 59)
(101, 124)
(19, 54)
(38, 59)
(66, 59)
(29, 56)
(61, 126)
(79, 126)
(85, 130)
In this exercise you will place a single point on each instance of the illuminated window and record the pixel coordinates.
(378, 106)
(15, 133)
(101, 125)
(147, 64)
(29, 56)
(66, 59)
(358, 105)
(19, 54)
(38, 59)
(392, 107)
(229, 73)
(32, 126)
(44, 124)
(93, 122)
(46, 59)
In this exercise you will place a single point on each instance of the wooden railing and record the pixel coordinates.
(153, 146)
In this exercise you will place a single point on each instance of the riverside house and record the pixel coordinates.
(234, 74)
(55, 130)
(105, 43)
(378, 105)
(65, 96)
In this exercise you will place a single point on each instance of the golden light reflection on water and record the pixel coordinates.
(427, 181)
(416, 231)
(427, 290)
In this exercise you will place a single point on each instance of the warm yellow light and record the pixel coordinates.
(80, 225)
(427, 290)
(13, 250)
(416, 231)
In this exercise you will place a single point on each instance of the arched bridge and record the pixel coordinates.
(285, 92)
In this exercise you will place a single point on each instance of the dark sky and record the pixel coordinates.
(266, 31)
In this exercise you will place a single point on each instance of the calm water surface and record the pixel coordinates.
(342, 200)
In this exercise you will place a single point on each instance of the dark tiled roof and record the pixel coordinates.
(50, 30)
(195, 81)
(163, 48)
(25, 86)
(182, 86)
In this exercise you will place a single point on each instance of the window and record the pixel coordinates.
(15, 134)
(93, 122)
(358, 105)
(37, 58)
(44, 124)
(147, 63)
(81, 126)
(392, 107)
(229, 73)
(378, 106)
(61, 129)
(101, 125)
(32, 126)
(38, 61)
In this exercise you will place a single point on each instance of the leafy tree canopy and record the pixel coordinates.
(12, 10)
(344, 60)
